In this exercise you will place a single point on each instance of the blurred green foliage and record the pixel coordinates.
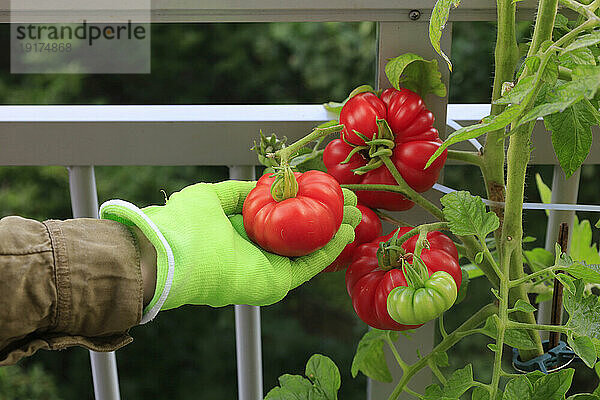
(191, 351)
(33, 384)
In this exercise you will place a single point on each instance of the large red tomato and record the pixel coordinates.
(296, 226)
(415, 141)
(368, 229)
(369, 285)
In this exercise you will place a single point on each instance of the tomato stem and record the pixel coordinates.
(287, 152)
(285, 185)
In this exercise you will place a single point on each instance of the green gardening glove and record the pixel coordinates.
(205, 257)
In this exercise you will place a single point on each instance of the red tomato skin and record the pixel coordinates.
(295, 226)
(360, 113)
(415, 137)
(369, 286)
(368, 229)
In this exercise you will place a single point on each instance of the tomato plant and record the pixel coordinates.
(299, 224)
(414, 141)
(369, 283)
(368, 229)
(385, 157)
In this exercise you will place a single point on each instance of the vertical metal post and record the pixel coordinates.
(564, 191)
(395, 38)
(247, 329)
(84, 202)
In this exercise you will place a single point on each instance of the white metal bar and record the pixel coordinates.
(269, 11)
(176, 135)
(563, 191)
(84, 202)
(247, 329)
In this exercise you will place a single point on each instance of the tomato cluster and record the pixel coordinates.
(415, 141)
(369, 286)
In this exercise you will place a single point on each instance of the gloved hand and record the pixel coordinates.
(205, 257)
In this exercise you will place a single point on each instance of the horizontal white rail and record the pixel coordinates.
(270, 11)
(181, 135)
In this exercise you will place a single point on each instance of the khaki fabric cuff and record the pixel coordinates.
(85, 277)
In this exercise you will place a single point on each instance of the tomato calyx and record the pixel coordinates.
(380, 145)
(285, 185)
(266, 147)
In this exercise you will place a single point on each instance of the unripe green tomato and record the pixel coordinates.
(410, 306)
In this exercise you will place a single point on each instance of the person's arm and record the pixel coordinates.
(67, 283)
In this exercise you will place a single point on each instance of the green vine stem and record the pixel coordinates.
(410, 193)
(467, 328)
(317, 133)
(539, 327)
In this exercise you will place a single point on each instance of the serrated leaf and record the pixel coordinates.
(518, 92)
(437, 22)
(572, 134)
(578, 56)
(582, 248)
(589, 273)
(369, 358)
(415, 73)
(585, 82)
(534, 376)
(467, 215)
(524, 306)
(553, 386)
(493, 347)
(487, 124)
(459, 382)
(586, 40)
(324, 375)
(584, 348)
(518, 389)
(584, 312)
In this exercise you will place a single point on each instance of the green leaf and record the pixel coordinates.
(479, 257)
(589, 273)
(518, 338)
(567, 282)
(586, 40)
(441, 359)
(584, 348)
(584, 312)
(459, 382)
(583, 396)
(473, 271)
(553, 386)
(487, 124)
(336, 108)
(464, 286)
(582, 248)
(437, 22)
(544, 191)
(369, 358)
(415, 73)
(493, 347)
(534, 376)
(518, 389)
(518, 92)
(572, 134)
(538, 258)
(523, 306)
(466, 215)
(586, 80)
(293, 387)
(324, 375)
(578, 56)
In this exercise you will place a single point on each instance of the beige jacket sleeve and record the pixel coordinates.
(66, 283)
